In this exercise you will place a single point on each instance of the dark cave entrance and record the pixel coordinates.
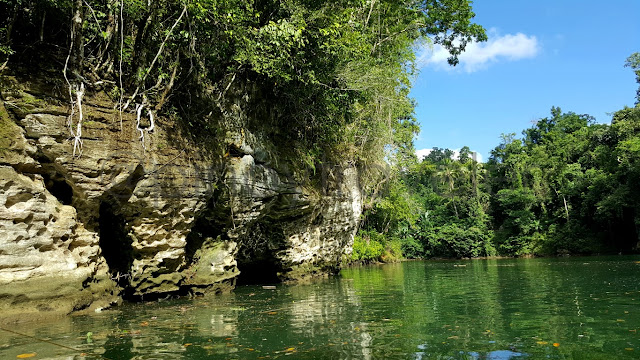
(257, 259)
(116, 244)
(258, 271)
(59, 188)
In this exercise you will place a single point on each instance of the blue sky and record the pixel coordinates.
(542, 53)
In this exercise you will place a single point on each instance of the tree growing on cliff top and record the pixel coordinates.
(332, 78)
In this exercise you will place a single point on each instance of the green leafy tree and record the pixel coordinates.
(633, 61)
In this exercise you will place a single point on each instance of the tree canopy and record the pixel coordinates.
(330, 77)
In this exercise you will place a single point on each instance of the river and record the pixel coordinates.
(560, 308)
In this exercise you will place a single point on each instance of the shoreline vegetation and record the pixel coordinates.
(355, 264)
(567, 186)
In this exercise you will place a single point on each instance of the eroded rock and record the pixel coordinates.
(142, 220)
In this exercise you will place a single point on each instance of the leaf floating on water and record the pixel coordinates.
(556, 344)
(26, 355)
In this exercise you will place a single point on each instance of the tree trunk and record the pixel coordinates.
(76, 59)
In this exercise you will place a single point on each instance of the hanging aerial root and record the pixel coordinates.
(77, 141)
(76, 104)
(142, 130)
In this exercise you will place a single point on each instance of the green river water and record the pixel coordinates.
(565, 308)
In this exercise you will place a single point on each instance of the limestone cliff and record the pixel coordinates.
(142, 218)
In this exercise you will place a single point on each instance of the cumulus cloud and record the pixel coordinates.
(477, 56)
(420, 153)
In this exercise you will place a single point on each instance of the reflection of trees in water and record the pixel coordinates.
(118, 347)
(331, 317)
(222, 325)
(167, 333)
(404, 310)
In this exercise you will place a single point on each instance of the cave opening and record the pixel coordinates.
(115, 243)
(257, 260)
(59, 188)
(258, 271)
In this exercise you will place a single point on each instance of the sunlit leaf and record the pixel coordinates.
(26, 355)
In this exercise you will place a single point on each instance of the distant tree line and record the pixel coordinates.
(568, 185)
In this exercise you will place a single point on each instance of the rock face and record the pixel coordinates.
(143, 218)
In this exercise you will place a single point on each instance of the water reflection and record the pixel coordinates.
(491, 309)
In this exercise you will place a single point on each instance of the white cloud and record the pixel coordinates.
(479, 56)
(420, 153)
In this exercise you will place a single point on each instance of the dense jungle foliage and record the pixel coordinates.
(568, 185)
(330, 78)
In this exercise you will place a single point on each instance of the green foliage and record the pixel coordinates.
(633, 61)
(367, 247)
(565, 186)
(330, 78)
(435, 208)
(411, 248)
(456, 241)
